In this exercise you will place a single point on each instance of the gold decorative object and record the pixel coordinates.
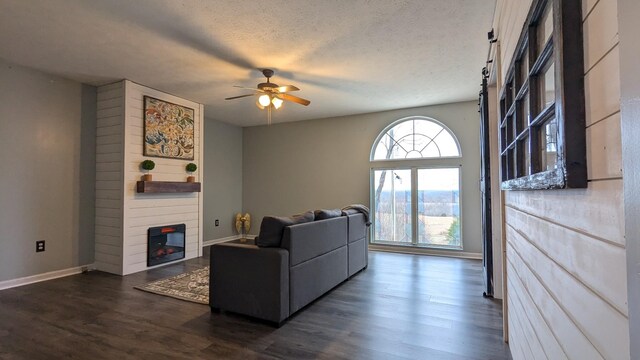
(243, 222)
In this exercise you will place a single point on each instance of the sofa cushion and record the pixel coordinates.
(323, 214)
(272, 227)
(357, 227)
(307, 241)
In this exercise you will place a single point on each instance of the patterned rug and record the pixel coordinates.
(191, 286)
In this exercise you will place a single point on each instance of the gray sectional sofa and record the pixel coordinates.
(272, 283)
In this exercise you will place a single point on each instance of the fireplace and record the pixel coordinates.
(165, 244)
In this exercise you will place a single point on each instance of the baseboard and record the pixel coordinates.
(225, 239)
(7, 284)
(423, 251)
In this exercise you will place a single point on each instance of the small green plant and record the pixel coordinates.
(191, 167)
(147, 165)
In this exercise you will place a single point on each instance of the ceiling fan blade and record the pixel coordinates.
(286, 88)
(247, 88)
(295, 99)
(238, 97)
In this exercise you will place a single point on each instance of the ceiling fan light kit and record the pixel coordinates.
(264, 100)
(277, 102)
(271, 95)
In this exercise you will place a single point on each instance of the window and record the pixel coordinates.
(542, 122)
(415, 185)
(416, 138)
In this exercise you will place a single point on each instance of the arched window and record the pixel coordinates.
(415, 138)
(415, 185)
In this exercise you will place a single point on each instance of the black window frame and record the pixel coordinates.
(564, 48)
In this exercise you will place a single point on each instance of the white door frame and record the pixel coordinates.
(628, 14)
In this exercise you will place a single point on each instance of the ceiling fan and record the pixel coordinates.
(271, 95)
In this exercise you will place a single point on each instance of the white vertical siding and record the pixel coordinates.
(566, 264)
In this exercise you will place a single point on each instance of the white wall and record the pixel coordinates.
(292, 167)
(47, 167)
(223, 178)
(128, 223)
(566, 274)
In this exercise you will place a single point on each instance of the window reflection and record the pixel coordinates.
(548, 146)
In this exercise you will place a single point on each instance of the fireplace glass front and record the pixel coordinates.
(165, 244)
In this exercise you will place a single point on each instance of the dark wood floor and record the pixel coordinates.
(401, 307)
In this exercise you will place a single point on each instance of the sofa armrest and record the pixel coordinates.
(250, 280)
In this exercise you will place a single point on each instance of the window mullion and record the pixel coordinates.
(414, 205)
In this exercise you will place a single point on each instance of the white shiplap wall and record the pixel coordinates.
(142, 211)
(109, 170)
(566, 265)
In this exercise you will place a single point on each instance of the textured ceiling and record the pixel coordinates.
(346, 56)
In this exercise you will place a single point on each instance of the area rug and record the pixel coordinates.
(191, 286)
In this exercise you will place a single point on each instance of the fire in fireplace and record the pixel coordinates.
(165, 244)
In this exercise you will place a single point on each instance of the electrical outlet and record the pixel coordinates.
(40, 246)
(217, 222)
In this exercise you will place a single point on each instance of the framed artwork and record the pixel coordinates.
(168, 130)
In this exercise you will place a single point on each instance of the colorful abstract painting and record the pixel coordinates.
(168, 130)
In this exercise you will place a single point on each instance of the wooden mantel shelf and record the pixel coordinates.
(167, 187)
